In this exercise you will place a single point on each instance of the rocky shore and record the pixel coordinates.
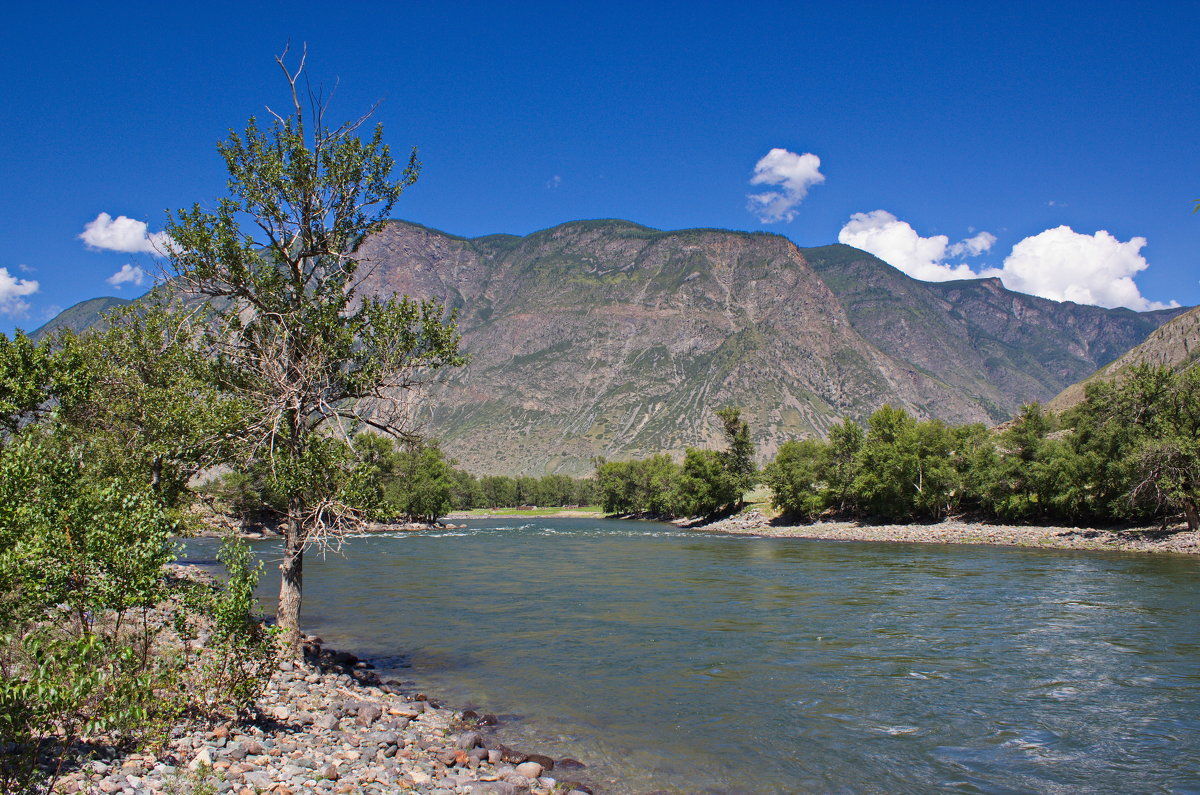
(1139, 539)
(329, 725)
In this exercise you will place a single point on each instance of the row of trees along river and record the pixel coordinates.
(1129, 452)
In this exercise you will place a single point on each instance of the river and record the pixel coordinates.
(671, 660)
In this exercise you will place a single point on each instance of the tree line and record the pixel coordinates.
(410, 480)
(1129, 452)
(705, 483)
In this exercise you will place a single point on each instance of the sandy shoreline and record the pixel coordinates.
(1176, 539)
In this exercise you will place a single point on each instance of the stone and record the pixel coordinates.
(521, 781)
(327, 721)
(368, 714)
(494, 788)
(202, 757)
(512, 756)
(469, 740)
(420, 778)
(494, 757)
(570, 764)
(529, 769)
(259, 779)
(546, 762)
(329, 772)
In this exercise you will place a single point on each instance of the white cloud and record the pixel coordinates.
(554, 182)
(13, 292)
(793, 175)
(1060, 264)
(129, 274)
(1065, 265)
(898, 244)
(124, 234)
(973, 246)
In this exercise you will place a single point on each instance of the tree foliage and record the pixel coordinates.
(1129, 452)
(706, 483)
(312, 359)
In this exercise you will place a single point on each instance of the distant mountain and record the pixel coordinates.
(999, 348)
(610, 338)
(614, 339)
(80, 317)
(1175, 344)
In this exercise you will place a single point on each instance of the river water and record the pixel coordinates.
(671, 660)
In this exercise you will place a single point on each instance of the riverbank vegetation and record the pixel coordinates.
(99, 646)
(706, 483)
(410, 481)
(1129, 452)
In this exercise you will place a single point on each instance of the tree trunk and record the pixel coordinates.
(1193, 518)
(291, 586)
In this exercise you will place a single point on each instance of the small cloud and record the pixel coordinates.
(129, 274)
(26, 268)
(13, 292)
(554, 182)
(973, 246)
(1053, 203)
(792, 174)
(124, 234)
(51, 312)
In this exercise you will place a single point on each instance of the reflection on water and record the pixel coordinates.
(731, 664)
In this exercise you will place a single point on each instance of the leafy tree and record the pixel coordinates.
(1163, 461)
(842, 464)
(738, 457)
(797, 478)
(465, 491)
(292, 338)
(499, 491)
(1016, 486)
(421, 485)
(705, 485)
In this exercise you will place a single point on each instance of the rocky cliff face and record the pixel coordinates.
(998, 348)
(1175, 344)
(609, 338)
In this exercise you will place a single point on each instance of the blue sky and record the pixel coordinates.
(1065, 132)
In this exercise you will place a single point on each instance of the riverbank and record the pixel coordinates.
(329, 725)
(1139, 539)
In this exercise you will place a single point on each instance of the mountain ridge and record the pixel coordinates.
(609, 338)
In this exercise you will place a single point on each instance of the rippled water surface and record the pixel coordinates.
(694, 663)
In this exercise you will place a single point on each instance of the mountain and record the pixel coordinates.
(610, 338)
(999, 348)
(80, 317)
(614, 339)
(1175, 344)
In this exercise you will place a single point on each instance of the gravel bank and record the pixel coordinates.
(329, 725)
(1143, 539)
